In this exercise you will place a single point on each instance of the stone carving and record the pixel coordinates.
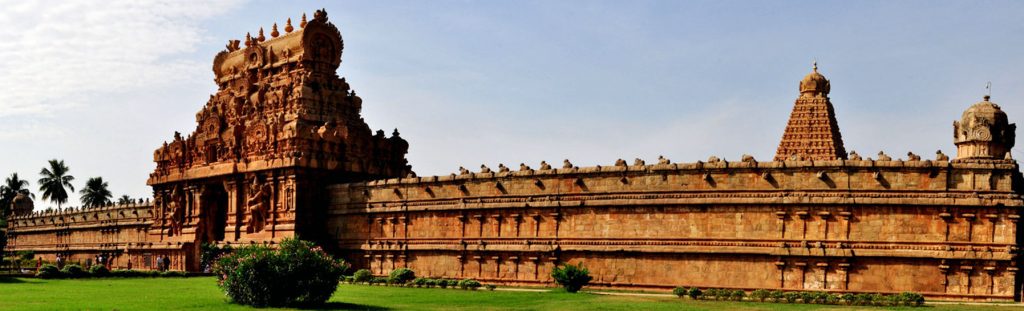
(663, 161)
(983, 132)
(257, 205)
(484, 169)
(620, 162)
(566, 164)
(748, 159)
(464, 171)
(502, 168)
(544, 166)
(939, 156)
(913, 157)
(176, 207)
(883, 157)
(524, 168)
(854, 156)
(713, 159)
(812, 132)
(639, 162)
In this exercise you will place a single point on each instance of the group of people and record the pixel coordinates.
(163, 263)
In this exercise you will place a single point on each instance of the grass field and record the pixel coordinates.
(201, 293)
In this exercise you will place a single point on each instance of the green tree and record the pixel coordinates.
(95, 193)
(124, 199)
(54, 180)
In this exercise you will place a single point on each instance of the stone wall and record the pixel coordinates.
(946, 229)
(119, 232)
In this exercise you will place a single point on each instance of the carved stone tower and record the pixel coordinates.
(281, 127)
(983, 132)
(812, 132)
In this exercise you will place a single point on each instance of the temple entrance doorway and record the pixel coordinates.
(214, 203)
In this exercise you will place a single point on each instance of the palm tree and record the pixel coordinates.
(11, 187)
(54, 180)
(124, 199)
(95, 193)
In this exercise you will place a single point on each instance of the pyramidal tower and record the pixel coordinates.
(812, 132)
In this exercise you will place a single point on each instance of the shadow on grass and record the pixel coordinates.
(337, 305)
(9, 279)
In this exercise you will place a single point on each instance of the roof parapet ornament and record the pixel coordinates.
(288, 26)
(302, 23)
(320, 15)
(260, 37)
(273, 31)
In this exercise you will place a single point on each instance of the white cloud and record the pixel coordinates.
(52, 52)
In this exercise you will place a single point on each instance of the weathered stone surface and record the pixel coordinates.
(281, 150)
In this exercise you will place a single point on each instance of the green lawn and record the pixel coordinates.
(201, 293)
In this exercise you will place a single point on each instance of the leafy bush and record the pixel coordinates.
(847, 298)
(776, 295)
(49, 272)
(174, 274)
(694, 293)
(401, 276)
(442, 283)
(573, 278)
(208, 254)
(831, 299)
(911, 299)
(379, 280)
(73, 271)
(679, 292)
(362, 276)
(791, 297)
(806, 297)
(469, 284)
(737, 295)
(491, 287)
(298, 273)
(760, 295)
(99, 271)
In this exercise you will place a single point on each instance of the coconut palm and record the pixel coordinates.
(124, 199)
(11, 187)
(55, 179)
(95, 193)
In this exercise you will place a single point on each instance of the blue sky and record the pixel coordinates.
(102, 84)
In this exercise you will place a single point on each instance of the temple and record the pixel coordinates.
(281, 151)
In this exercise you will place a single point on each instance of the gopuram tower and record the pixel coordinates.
(281, 127)
(812, 132)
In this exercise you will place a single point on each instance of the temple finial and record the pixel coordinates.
(260, 37)
(288, 26)
(273, 31)
(248, 39)
(302, 23)
(815, 65)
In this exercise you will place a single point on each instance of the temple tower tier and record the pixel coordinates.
(812, 132)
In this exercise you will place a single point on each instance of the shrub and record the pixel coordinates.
(490, 287)
(831, 299)
(208, 254)
(791, 297)
(348, 279)
(679, 291)
(442, 283)
(99, 271)
(876, 299)
(430, 283)
(573, 278)
(49, 272)
(379, 280)
(776, 295)
(806, 297)
(174, 274)
(401, 276)
(848, 298)
(911, 299)
(737, 295)
(73, 271)
(760, 295)
(469, 284)
(298, 273)
(419, 282)
(710, 294)
(694, 293)
(362, 276)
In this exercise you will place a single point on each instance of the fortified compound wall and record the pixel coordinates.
(281, 150)
(944, 229)
(118, 232)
